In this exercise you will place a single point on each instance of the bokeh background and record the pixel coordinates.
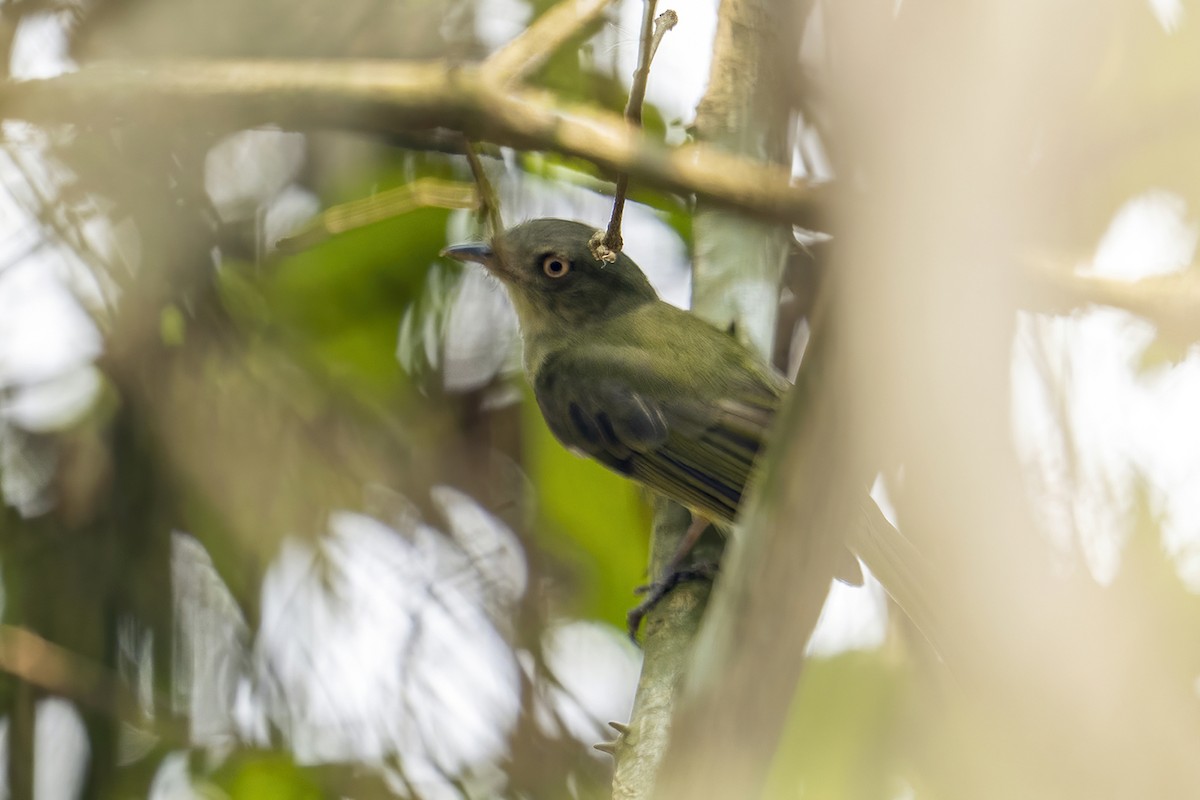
(287, 523)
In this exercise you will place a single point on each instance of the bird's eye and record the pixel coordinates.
(555, 266)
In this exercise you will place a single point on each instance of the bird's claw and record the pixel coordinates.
(655, 592)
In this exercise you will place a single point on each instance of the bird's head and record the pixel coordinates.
(549, 270)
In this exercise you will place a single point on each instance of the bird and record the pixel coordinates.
(649, 390)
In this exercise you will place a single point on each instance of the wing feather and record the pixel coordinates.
(690, 446)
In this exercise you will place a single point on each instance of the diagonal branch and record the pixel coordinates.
(524, 54)
(58, 671)
(378, 207)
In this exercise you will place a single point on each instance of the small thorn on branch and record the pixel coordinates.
(607, 747)
(611, 747)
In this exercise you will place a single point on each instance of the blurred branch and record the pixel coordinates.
(738, 262)
(382, 97)
(524, 54)
(440, 140)
(54, 669)
(653, 30)
(60, 672)
(1171, 302)
(385, 205)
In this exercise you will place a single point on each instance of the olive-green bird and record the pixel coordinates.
(647, 389)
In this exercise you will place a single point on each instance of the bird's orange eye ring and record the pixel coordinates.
(555, 266)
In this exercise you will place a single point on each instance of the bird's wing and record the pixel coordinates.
(683, 437)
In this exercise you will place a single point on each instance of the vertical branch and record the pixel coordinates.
(741, 113)
(745, 110)
(653, 30)
(749, 653)
(781, 567)
(669, 629)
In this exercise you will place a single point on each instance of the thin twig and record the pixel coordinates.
(652, 35)
(662, 23)
(489, 202)
(524, 54)
(653, 31)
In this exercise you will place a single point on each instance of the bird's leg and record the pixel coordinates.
(672, 575)
(690, 537)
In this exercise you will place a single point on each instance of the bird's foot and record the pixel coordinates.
(655, 592)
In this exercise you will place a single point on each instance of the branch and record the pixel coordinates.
(738, 263)
(731, 254)
(54, 669)
(749, 653)
(653, 30)
(1171, 302)
(669, 630)
(384, 96)
(732, 704)
(60, 672)
(489, 203)
(524, 54)
(422, 192)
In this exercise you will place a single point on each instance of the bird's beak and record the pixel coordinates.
(476, 251)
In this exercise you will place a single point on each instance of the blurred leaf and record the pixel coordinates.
(242, 295)
(172, 326)
(266, 776)
(344, 299)
(840, 733)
